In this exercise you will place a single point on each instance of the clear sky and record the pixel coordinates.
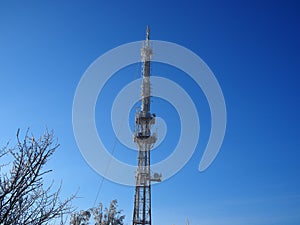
(251, 46)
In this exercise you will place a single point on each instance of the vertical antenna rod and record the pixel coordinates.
(144, 140)
(146, 53)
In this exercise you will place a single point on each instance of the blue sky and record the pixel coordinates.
(251, 46)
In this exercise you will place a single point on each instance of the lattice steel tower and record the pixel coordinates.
(144, 140)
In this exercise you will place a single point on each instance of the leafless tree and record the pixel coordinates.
(108, 216)
(23, 197)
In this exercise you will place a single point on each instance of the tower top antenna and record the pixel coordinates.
(148, 33)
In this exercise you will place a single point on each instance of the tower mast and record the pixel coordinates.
(144, 140)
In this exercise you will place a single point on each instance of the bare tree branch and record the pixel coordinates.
(107, 216)
(23, 197)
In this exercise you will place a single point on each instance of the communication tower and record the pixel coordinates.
(144, 139)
